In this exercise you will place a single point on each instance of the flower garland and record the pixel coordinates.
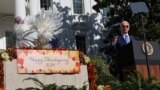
(5, 55)
(1, 76)
(92, 74)
(8, 54)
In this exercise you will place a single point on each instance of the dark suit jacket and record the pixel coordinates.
(124, 52)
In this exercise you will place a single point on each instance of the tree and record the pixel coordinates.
(120, 10)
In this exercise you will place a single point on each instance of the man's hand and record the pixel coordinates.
(114, 40)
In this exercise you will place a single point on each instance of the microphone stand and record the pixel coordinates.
(145, 47)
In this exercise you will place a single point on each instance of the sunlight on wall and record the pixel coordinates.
(96, 37)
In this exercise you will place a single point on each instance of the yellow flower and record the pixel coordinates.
(86, 59)
(100, 87)
(5, 56)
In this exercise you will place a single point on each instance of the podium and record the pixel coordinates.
(153, 50)
(140, 64)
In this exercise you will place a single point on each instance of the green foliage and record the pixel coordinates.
(100, 4)
(120, 10)
(36, 81)
(29, 88)
(102, 68)
(136, 81)
(50, 86)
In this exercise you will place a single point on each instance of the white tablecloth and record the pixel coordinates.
(13, 80)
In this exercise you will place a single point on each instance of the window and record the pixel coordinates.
(78, 6)
(10, 39)
(104, 18)
(105, 11)
(45, 4)
(81, 45)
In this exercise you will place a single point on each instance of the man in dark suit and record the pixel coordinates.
(122, 45)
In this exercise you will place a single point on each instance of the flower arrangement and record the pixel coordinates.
(1, 76)
(100, 87)
(98, 72)
(8, 54)
(5, 56)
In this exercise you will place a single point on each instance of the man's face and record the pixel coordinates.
(125, 27)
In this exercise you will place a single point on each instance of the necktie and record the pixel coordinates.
(127, 39)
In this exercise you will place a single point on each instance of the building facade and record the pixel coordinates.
(82, 27)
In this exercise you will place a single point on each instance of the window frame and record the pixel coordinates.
(82, 5)
(10, 35)
(45, 4)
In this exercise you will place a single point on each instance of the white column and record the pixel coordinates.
(34, 6)
(20, 10)
(2, 37)
(39, 6)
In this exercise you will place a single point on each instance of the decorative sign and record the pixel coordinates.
(47, 61)
(149, 48)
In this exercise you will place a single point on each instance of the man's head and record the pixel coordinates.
(124, 27)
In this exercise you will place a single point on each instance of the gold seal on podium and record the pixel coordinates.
(149, 48)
